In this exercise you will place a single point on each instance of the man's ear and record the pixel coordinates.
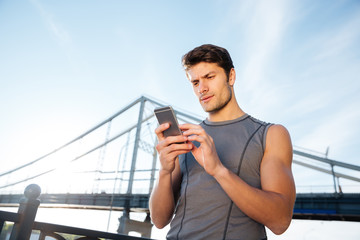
(232, 77)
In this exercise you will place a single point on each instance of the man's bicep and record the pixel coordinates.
(276, 174)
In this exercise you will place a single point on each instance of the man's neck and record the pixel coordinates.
(231, 111)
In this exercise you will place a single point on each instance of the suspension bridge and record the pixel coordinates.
(113, 166)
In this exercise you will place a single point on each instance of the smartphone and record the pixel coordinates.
(167, 115)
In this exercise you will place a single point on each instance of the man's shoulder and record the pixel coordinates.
(278, 137)
(278, 130)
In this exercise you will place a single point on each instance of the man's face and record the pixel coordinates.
(210, 85)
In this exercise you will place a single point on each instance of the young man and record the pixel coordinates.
(231, 176)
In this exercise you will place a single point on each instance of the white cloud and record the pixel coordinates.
(264, 27)
(337, 129)
(63, 38)
(61, 35)
(338, 41)
(264, 33)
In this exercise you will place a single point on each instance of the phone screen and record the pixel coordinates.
(167, 115)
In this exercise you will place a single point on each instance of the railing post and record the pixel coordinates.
(333, 174)
(27, 211)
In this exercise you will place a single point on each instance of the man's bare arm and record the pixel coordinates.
(164, 196)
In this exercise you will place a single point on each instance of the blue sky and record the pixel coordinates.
(67, 65)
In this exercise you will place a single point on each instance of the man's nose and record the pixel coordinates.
(203, 88)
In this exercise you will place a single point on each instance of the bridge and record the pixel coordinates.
(113, 166)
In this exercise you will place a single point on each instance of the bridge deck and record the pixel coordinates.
(328, 206)
(314, 206)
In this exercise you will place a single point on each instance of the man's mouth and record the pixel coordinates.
(205, 99)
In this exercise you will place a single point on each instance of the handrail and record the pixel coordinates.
(9, 216)
(93, 234)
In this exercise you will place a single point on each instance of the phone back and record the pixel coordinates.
(166, 115)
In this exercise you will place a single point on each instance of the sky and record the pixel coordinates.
(67, 65)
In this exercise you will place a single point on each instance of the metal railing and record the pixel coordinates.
(25, 224)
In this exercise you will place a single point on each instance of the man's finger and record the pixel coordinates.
(159, 131)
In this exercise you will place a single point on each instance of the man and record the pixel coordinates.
(231, 175)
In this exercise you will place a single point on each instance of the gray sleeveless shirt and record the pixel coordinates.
(204, 211)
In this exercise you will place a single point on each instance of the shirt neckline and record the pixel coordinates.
(210, 123)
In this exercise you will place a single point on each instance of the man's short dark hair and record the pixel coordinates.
(208, 53)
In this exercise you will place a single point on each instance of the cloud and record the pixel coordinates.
(63, 38)
(340, 40)
(263, 29)
(264, 33)
(61, 35)
(337, 129)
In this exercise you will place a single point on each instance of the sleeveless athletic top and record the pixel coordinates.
(204, 211)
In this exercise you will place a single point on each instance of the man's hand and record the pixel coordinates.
(170, 148)
(205, 154)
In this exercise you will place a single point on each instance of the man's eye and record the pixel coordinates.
(195, 83)
(211, 77)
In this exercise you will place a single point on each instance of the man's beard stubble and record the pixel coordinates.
(220, 105)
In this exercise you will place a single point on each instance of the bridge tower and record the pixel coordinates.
(127, 225)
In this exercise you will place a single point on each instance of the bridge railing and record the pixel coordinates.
(25, 224)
